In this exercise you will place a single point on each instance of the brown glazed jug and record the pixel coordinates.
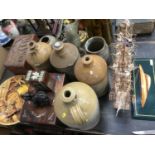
(38, 55)
(92, 69)
(64, 57)
(77, 106)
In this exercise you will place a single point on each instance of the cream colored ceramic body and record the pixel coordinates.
(38, 55)
(92, 70)
(77, 106)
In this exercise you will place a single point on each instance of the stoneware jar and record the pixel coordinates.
(97, 45)
(92, 69)
(77, 106)
(49, 39)
(38, 55)
(64, 57)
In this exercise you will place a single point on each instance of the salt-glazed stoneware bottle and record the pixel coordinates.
(39, 54)
(77, 106)
(64, 57)
(92, 69)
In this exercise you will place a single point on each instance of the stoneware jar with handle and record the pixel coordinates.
(77, 106)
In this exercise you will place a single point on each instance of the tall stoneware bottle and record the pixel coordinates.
(77, 106)
(92, 69)
(38, 55)
(64, 57)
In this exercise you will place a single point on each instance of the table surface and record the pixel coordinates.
(123, 123)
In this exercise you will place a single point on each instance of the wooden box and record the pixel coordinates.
(16, 59)
(45, 115)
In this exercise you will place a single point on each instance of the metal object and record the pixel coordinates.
(145, 132)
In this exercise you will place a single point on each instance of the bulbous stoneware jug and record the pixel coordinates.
(77, 106)
(92, 70)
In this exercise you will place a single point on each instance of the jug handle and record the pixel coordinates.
(78, 115)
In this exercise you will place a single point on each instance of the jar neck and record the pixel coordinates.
(87, 60)
(33, 47)
(59, 48)
(68, 96)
